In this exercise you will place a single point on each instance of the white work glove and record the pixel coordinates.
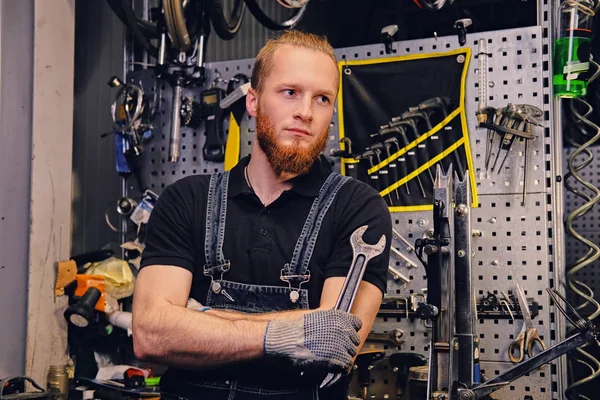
(325, 339)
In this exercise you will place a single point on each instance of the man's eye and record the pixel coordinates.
(324, 99)
(290, 92)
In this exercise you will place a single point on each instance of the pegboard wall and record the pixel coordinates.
(516, 242)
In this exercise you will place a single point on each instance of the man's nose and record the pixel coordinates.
(304, 109)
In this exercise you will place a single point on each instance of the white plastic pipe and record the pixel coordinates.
(121, 319)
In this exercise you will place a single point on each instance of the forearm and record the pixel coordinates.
(258, 317)
(177, 336)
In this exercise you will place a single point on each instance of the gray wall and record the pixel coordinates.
(250, 38)
(16, 82)
(98, 56)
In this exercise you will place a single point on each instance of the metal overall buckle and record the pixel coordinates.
(295, 292)
(215, 285)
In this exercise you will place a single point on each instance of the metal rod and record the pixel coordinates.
(403, 257)
(398, 236)
(533, 363)
(175, 137)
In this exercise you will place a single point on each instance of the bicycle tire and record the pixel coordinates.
(176, 25)
(149, 29)
(268, 22)
(132, 20)
(226, 28)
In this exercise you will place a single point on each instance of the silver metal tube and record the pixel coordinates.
(398, 275)
(398, 236)
(175, 138)
(403, 257)
(162, 50)
(201, 50)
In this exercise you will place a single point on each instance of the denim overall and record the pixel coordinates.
(224, 294)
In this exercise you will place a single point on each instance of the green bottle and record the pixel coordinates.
(572, 48)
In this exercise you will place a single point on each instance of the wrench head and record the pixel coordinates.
(360, 247)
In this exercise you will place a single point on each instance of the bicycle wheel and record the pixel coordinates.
(183, 21)
(226, 27)
(270, 23)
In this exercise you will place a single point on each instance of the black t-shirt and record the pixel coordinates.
(259, 240)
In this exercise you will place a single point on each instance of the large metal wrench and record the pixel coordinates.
(361, 254)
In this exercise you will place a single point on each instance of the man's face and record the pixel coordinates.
(294, 108)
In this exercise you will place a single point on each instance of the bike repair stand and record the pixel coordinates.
(454, 372)
(453, 352)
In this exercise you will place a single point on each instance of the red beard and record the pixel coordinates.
(295, 159)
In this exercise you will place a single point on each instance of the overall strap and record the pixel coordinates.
(216, 212)
(296, 272)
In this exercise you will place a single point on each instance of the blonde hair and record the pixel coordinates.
(264, 60)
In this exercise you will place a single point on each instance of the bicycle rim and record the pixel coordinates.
(270, 23)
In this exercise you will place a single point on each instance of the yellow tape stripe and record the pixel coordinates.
(422, 168)
(410, 208)
(464, 50)
(415, 143)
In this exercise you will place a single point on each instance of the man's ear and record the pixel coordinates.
(252, 102)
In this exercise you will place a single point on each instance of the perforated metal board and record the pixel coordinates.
(516, 248)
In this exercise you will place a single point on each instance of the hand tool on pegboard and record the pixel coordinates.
(511, 122)
(439, 106)
(383, 173)
(399, 132)
(401, 362)
(528, 337)
(363, 366)
(350, 159)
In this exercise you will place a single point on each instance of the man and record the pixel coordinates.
(263, 250)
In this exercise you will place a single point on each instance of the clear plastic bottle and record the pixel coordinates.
(58, 382)
(572, 48)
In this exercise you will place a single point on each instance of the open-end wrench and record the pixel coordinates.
(361, 254)
(394, 337)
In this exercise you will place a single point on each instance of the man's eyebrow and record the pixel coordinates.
(298, 86)
(328, 93)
